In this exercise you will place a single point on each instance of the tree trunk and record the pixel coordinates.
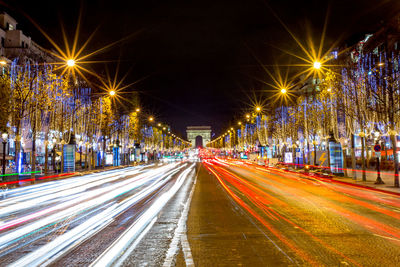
(364, 174)
(353, 158)
(89, 159)
(294, 157)
(17, 152)
(344, 162)
(33, 157)
(396, 160)
(93, 162)
(33, 154)
(86, 157)
(62, 158)
(53, 158)
(46, 158)
(315, 154)
(329, 156)
(103, 160)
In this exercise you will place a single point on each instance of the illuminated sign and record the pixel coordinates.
(288, 157)
(336, 157)
(109, 159)
(69, 158)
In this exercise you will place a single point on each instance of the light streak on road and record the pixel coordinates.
(83, 207)
(115, 251)
(281, 200)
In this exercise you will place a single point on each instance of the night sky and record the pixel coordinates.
(196, 60)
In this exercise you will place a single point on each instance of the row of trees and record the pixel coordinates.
(42, 110)
(357, 97)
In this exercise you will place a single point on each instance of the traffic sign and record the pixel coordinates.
(377, 148)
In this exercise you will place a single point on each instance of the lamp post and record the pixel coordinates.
(4, 136)
(377, 149)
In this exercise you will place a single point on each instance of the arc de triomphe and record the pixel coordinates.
(193, 131)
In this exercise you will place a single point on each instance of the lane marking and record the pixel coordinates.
(180, 236)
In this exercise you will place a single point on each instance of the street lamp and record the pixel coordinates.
(138, 110)
(70, 62)
(317, 65)
(258, 109)
(112, 93)
(4, 136)
(239, 123)
(151, 119)
(283, 91)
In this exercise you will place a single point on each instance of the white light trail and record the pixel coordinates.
(88, 200)
(115, 253)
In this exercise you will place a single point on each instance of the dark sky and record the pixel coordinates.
(198, 57)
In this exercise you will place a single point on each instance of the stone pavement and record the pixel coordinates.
(221, 233)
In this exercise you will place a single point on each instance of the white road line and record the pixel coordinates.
(180, 237)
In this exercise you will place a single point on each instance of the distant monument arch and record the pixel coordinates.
(193, 132)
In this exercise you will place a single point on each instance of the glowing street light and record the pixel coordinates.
(239, 123)
(112, 93)
(248, 116)
(317, 65)
(3, 62)
(71, 62)
(151, 118)
(138, 110)
(283, 91)
(159, 125)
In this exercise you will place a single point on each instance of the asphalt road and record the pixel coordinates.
(244, 215)
(95, 219)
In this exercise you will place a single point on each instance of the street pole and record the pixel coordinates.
(377, 149)
(4, 157)
(378, 179)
